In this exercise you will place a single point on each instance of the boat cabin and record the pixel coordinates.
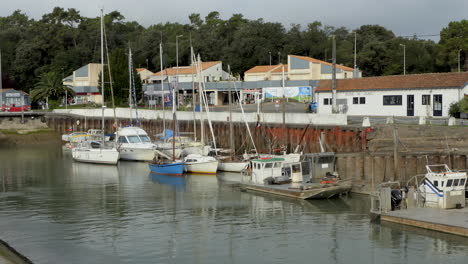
(443, 188)
(132, 135)
(319, 165)
(275, 170)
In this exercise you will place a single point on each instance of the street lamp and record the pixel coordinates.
(270, 57)
(177, 68)
(459, 51)
(355, 48)
(279, 57)
(404, 58)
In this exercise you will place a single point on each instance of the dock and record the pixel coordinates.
(452, 221)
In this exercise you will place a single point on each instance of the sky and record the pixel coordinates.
(403, 17)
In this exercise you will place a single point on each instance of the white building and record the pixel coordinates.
(144, 74)
(398, 95)
(84, 81)
(300, 68)
(212, 71)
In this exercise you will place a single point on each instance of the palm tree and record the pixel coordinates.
(50, 85)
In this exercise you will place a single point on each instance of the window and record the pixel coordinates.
(325, 101)
(392, 100)
(134, 139)
(426, 99)
(442, 184)
(355, 100)
(145, 139)
(362, 100)
(436, 183)
(123, 140)
(277, 165)
(449, 183)
(455, 182)
(462, 182)
(269, 165)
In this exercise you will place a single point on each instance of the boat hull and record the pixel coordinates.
(288, 190)
(232, 166)
(98, 156)
(205, 167)
(137, 154)
(170, 169)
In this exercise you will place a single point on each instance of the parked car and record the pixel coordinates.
(14, 108)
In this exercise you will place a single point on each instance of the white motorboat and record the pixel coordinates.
(74, 137)
(134, 144)
(195, 163)
(95, 152)
(232, 166)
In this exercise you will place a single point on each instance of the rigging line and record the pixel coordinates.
(205, 103)
(245, 120)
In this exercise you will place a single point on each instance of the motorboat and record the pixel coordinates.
(285, 178)
(195, 163)
(134, 144)
(75, 137)
(226, 163)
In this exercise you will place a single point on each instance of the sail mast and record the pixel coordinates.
(231, 128)
(200, 92)
(162, 87)
(130, 103)
(102, 72)
(173, 123)
(192, 59)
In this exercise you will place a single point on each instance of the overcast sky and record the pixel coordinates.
(404, 17)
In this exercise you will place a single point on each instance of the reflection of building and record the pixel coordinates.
(300, 68)
(12, 97)
(427, 94)
(85, 82)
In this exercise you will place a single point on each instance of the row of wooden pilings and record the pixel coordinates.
(267, 138)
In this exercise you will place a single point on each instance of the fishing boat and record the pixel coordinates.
(170, 167)
(134, 144)
(98, 151)
(280, 177)
(195, 163)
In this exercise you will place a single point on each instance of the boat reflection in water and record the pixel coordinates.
(177, 182)
(229, 177)
(87, 173)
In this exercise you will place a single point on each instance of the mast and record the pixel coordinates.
(231, 128)
(334, 106)
(192, 60)
(162, 87)
(102, 73)
(133, 90)
(130, 103)
(283, 109)
(202, 101)
(173, 123)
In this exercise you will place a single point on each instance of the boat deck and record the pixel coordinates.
(294, 190)
(453, 221)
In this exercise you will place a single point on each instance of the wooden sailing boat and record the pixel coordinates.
(100, 152)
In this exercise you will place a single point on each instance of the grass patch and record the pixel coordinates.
(26, 131)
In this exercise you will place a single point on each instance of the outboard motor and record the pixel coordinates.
(396, 199)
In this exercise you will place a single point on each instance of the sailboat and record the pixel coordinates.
(134, 143)
(100, 152)
(196, 163)
(230, 163)
(169, 167)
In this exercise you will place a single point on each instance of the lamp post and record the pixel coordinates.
(404, 58)
(355, 48)
(459, 51)
(270, 57)
(279, 57)
(177, 68)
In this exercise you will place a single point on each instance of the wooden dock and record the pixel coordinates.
(452, 221)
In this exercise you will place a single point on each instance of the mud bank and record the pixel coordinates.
(29, 137)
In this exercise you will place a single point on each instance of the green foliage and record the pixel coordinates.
(49, 86)
(64, 40)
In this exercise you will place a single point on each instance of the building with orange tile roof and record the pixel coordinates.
(211, 71)
(429, 94)
(300, 68)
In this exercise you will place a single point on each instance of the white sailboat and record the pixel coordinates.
(100, 152)
(196, 163)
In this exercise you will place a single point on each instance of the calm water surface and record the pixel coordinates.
(54, 210)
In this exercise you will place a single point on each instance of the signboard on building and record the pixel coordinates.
(301, 93)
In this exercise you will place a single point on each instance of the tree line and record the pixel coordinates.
(64, 40)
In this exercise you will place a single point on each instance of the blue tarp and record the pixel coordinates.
(169, 134)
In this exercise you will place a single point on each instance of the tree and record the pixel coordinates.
(50, 86)
(452, 39)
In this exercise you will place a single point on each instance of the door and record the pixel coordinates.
(437, 105)
(410, 105)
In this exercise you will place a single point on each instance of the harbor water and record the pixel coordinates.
(54, 210)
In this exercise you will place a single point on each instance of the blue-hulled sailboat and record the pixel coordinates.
(169, 167)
